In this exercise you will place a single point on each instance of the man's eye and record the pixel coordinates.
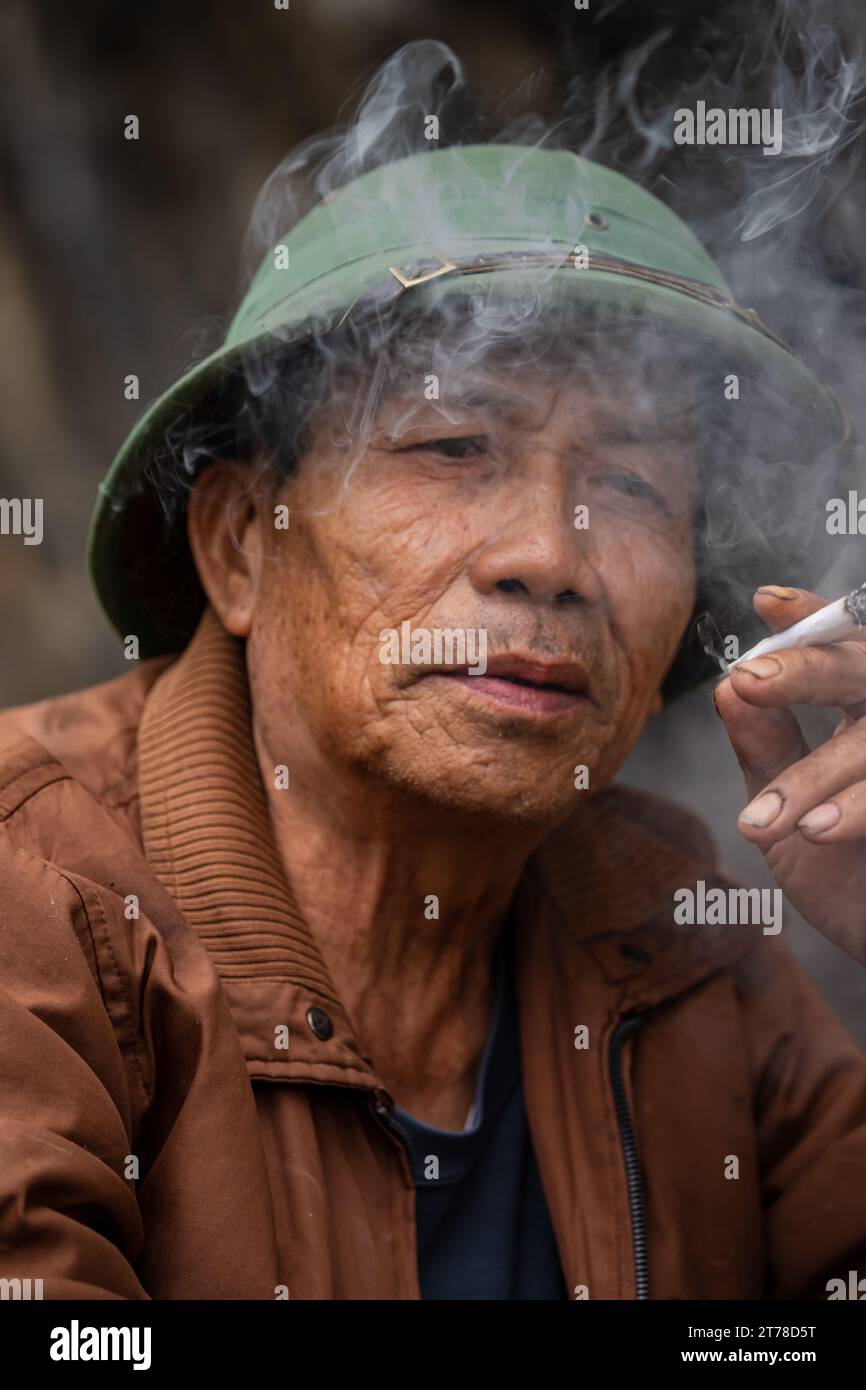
(627, 482)
(633, 486)
(458, 447)
(630, 434)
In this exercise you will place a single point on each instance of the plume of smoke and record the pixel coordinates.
(760, 217)
(421, 79)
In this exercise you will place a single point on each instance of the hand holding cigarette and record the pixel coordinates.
(844, 618)
(807, 807)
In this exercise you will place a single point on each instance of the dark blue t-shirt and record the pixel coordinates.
(483, 1229)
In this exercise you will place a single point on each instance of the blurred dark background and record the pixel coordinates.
(121, 257)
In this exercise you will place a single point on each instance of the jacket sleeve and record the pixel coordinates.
(810, 1115)
(68, 1214)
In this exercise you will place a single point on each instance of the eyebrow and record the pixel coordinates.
(660, 424)
(469, 397)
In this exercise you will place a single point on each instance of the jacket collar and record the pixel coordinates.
(205, 820)
(603, 882)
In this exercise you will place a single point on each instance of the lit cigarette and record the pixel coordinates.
(845, 617)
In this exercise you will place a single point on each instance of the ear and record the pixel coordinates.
(224, 528)
(658, 703)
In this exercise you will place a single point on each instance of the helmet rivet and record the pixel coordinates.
(596, 220)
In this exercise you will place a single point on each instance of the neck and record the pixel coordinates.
(406, 901)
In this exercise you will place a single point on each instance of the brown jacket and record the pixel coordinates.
(157, 1140)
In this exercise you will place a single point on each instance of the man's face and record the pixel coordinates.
(551, 521)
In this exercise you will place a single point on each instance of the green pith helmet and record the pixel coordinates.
(471, 219)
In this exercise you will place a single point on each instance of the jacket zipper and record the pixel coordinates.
(623, 1030)
(634, 1178)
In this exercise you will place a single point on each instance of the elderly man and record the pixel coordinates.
(333, 965)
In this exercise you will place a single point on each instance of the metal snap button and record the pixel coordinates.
(320, 1024)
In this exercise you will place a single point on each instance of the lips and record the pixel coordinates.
(560, 675)
(532, 687)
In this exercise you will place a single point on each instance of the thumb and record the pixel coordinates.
(765, 741)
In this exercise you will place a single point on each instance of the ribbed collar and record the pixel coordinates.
(205, 820)
(604, 879)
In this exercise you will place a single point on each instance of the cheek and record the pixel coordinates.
(652, 596)
(382, 554)
(356, 560)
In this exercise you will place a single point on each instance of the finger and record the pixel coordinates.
(779, 607)
(791, 795)
(765, 741)
(839, 819)
(844, 723)
(834, 674)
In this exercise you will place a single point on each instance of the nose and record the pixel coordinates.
(538, 554)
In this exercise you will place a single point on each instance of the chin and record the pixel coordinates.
(479, 789)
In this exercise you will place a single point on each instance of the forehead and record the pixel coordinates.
(474, 363)
(530, 395)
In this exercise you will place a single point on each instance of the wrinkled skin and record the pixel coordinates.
(807, 808)
(406, 783)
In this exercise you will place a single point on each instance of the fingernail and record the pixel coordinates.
(762, 811)
(763, 667)
(822, 818)
(775, 591)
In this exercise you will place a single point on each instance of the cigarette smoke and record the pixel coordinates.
(786, 232)
(761, 218)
